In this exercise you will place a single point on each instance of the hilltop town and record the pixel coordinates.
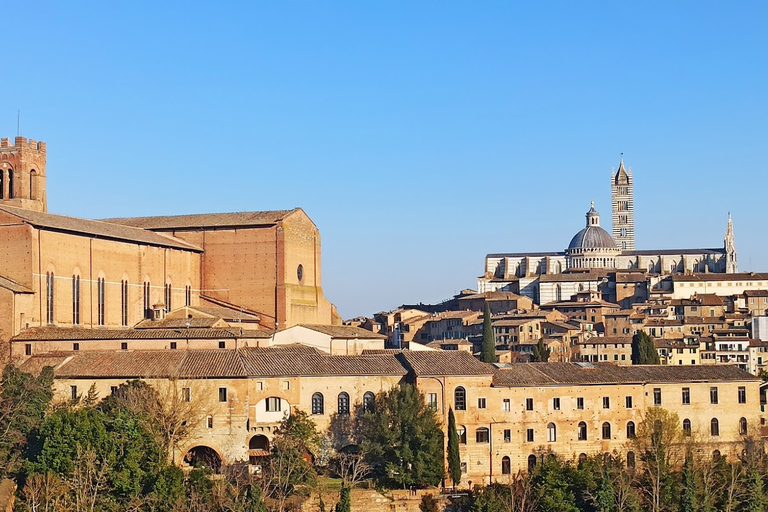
(226, 312)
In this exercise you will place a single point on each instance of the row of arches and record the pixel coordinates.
(342, 403)
(9, 189)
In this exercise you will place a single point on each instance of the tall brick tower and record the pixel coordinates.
(623, 208)
(22, 174)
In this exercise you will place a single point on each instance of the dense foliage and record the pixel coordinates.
(454, 458)
(643, 349)
(403, 440)
(488, 349)
(540, 352)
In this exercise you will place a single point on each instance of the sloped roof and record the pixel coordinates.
(96, 228)
(13, 286)
(521, 374)
(80, 333)
(205, 220)
(344, 331)
(444, 363)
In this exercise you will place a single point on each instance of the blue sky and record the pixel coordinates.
(419, 136)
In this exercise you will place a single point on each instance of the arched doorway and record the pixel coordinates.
(258, 447)
(204, 456)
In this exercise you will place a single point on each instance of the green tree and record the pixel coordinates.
(658, 441)
(553, 486)
(428, 504)
(403, 440)
(454, 458)
(690, 486)
(540, 352)
(24, 399)
(345, 503)
(644, 350)
(488, 350)
(493, 498)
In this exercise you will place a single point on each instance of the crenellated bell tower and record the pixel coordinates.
(22, 174)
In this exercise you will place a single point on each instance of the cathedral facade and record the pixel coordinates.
(596, 260)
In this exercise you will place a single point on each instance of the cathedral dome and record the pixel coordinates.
(593, 236)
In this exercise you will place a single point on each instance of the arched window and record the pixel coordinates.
(630, 429)
(124, 302)
(460, 399)
(631, 460)
(743, 426)
(582, 431)
(531, 463)
(558, 268)
(10, 184)
(147, 299)
(558, 293)
(714, 427)
(49, 277)
(343, 403)
(687, 427)
(76, 299)
(32, 181)
(101, 293)
(551, 433)
(188, 295)
(368, 401)
(168, 296)
(582, 458)
(318, 406)
(461, 430)
(716, 455)
(672, 267)
(506, 466)
(481, 435)
(606, 430)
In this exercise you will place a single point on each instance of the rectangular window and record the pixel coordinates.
(686, 396)
(124, 345)
(76, 300)
(580, 402)
(27, 349)
(173, 345)
(628, 402)
(507, 405)
(222, 394)
(529, 435)
(222, 344)
(73, 392)
(101, 291)
(210, 422)
(481, 403)
(556, 404)
(742, 395)
(168, 293)
(188, 296)
(432, 401)
(606, 402)
(481, 435)
(273, 404)
(75, 347)
(529, 404)
(124, 303)
(186, 394)
(113, 390)
(656, 396)
(713, 395)
(507, 435)
(49, 297)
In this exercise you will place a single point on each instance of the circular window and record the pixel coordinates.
(300, 272)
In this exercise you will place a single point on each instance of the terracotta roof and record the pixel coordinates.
(522, 374)
(225, 312)
(344, 331)
(13, 286)
(444, 363)
(742, 276)
(622, 312)
(205, 220)
(80, 333)
(96, 228)
(492, 296)
(291, 360)
(606, 339)
(756, 293)
(177, 323)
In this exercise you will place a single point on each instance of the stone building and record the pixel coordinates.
(508, 416)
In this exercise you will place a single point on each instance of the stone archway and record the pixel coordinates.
(204, 456)
(258, 447)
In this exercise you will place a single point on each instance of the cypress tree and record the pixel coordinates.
(690, 487)
(344, 504)
(540, 352)
(488, 351)
(454, 459)
(643, 349)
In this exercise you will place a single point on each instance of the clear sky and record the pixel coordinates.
(419, 136)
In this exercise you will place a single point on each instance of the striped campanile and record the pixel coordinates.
(623, 208)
